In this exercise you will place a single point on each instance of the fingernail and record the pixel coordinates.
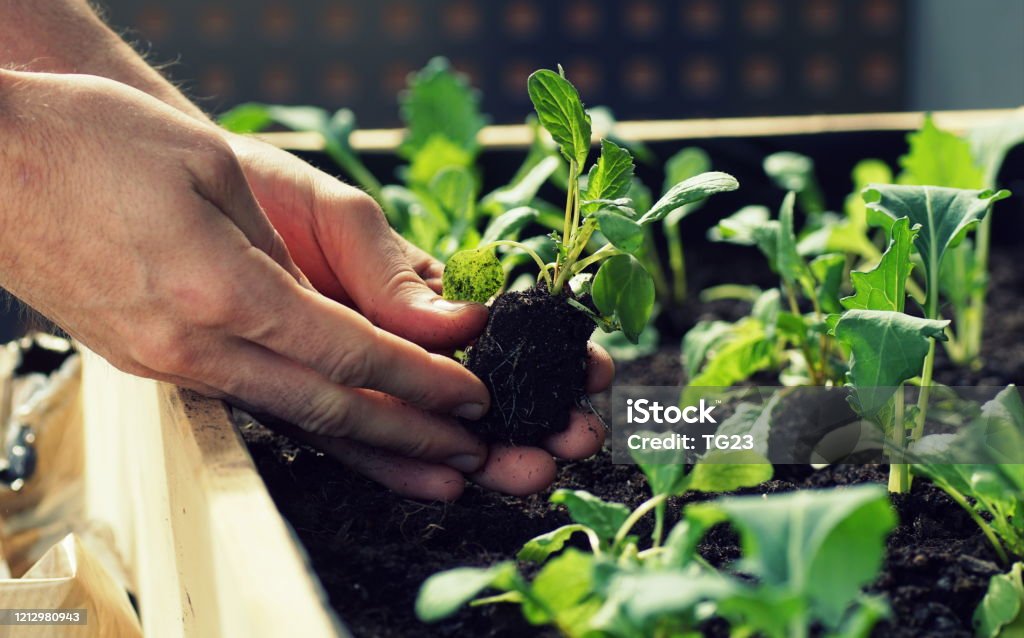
(464, 462)
(471, 411)
(444, 305)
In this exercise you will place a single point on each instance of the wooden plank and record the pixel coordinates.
(207, 550)
(519, 135)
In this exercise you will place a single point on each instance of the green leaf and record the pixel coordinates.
(564, 583)
(611, 177)
(250, 117)
(790, 264)
(938, 158)
(663, 468)
(624, 290)
(437, 154)
(887, 348)
(586, 509)
(752, 419)
(823, 545)
(523, 189)
(561, 112)
(442, 594)
(623, 233)
(944, 214)
(828, 272)
(991, 143)
(440, 103)
(508, 224)
(790, 171)
(695, 189)
(998, 613)
(884, 287)
(622, 349)
(472, 275)
(455, 190)
(727, 471)
(689, 162)
(745, 351)
(700, 340)
(750, 226)
(537, 549)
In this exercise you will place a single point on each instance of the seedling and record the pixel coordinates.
(532, 353)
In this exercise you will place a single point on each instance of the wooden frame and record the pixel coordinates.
(207, 552)
(520, 136)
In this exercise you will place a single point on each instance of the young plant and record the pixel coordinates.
(533, 350)
(1000, 612)
(887, 346)
(805, 557)
(718, 354)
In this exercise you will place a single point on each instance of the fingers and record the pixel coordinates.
(263, 381)
(600, 369)
(583, 437)
(518, 471)
(344, 347)
(408, 477)
(373, 266)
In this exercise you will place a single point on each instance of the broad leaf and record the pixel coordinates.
(689, 162)
(563, 585)
(611, 177)
(440, 102)
(508, 224)
(437, 154)
(561, 112)
(828, 273)
(727, 471)
(623, 233)
(790, 171)
(999, 612)
(586, 509)
(472, 275)
(442, 594)
(455, 190)
(692, 190)
(991, 143)
(523, 188)
(939, 158)
(537, 550)
(944, 214)
(746, 350)
(823, 545)
(624, 290)
(887, 348)
(750, 226)
(884, 287)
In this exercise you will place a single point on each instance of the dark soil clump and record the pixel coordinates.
(533, 358)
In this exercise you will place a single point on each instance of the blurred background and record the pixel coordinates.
(660, 59)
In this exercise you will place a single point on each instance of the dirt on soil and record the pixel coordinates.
(373, 549)
(535, 376)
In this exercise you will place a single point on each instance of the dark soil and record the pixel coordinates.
(372, 549)
(532, 356)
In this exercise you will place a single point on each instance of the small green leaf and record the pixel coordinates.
(692, 190)
(612, 176)
(790, 171)
(790, 264)
(561, 112)
(991, 143)
(472, 275)
(455, 190)
(828, 272)
(562, 585)
(250, 117)
(523, 188)
(727, 471)
(998, 614)
(938, 158)
(624, 290)
(700, 340)
(751, 226)
(437, 154)
(623, 233)
(508, 224)
(887, 348)
(746, 350)
(884, 287)
(442, 594)
(537, 550)
(688, 162)
(440, 103)
(586, 509)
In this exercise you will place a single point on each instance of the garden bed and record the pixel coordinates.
(372, 549)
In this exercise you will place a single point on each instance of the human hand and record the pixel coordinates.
(343, 243)
(133, 228)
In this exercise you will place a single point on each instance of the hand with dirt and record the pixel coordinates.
(132, 227)
(342, 242)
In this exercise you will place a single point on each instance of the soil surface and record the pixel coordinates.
(532, 356)
(372, 549)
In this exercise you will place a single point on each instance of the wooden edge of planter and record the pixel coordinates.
(520, 136)
(206, 549)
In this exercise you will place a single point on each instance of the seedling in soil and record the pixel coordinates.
(532, 354)
(805, 557)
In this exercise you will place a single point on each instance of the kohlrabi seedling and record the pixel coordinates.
(532, 354)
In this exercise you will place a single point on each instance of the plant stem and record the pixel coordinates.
(926, 388)
(677, 262)
(972, 338)
(899, 472)
(636, 515)
(981, 523)
(604, 252)
(529, 251)
(659, 525)
(795, 309)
